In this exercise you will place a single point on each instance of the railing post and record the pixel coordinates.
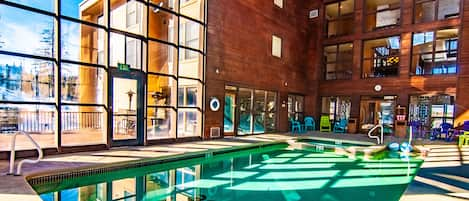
(13, 151)
(12, 154)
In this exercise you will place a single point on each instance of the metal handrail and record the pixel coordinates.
(380, 140)
(13, 152)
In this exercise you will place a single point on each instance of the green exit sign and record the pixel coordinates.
(123, 67)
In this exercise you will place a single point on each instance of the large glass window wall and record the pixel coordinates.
(58, 65)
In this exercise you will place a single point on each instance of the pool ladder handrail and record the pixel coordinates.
(380, 140)
(13, 153)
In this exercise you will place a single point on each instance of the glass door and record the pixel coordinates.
(127, 108)
(229, 114)
(245, 121)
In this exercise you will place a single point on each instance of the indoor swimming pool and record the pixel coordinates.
(272, 173)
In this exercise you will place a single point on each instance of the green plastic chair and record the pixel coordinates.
(325, 124)
(464, 139)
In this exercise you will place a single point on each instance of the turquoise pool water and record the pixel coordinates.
(272, 174)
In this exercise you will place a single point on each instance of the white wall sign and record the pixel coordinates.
(313, 13)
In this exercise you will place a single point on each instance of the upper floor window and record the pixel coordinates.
(338, 61)
(278, 3)
(339, 18)
(382, 14)
(276, 46)
(381, 57)
(435, 52)
(430, 10)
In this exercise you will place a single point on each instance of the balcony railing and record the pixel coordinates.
(44, 122)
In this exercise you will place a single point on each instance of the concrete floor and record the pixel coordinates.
(443, 176)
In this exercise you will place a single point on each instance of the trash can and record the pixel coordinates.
(352, 125)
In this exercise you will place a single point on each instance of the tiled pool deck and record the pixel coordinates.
(443, 176)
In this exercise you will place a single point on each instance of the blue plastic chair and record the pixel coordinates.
(296, 125)
(340, 126)
(310, 123)
(443, 129)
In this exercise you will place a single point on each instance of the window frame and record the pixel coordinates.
(434, 52)
(435, 12)
(338, 60)
(363, 59)
(367, 12)
(340, 17)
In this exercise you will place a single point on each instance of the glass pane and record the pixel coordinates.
(129, 16)
(89, 11)
(161, 123)
(229, 112)
(422, 42)
(245, 123)
(83, 125)
(271, 102)
(134, 52)
(124, 108)
(189, 122)
(422, 64)
(271, 122)
(35, 37)
(347, 7)
(299, 104)
(82, 43)
(245, 99)
(332, 29)
(192, 8)
(332, 11)
(124, 188)
(190, 63)
(443, 38)
(330, 52)
(189, 93)
(162, 58)
(47, 5)
(24, 79)
(36, 120)
(162, 25)
(190, 34)
(259, 123)
(82, 84)
(161, 90)
(169, 4)
(259, 101)
(448, 9)
(425, 11)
